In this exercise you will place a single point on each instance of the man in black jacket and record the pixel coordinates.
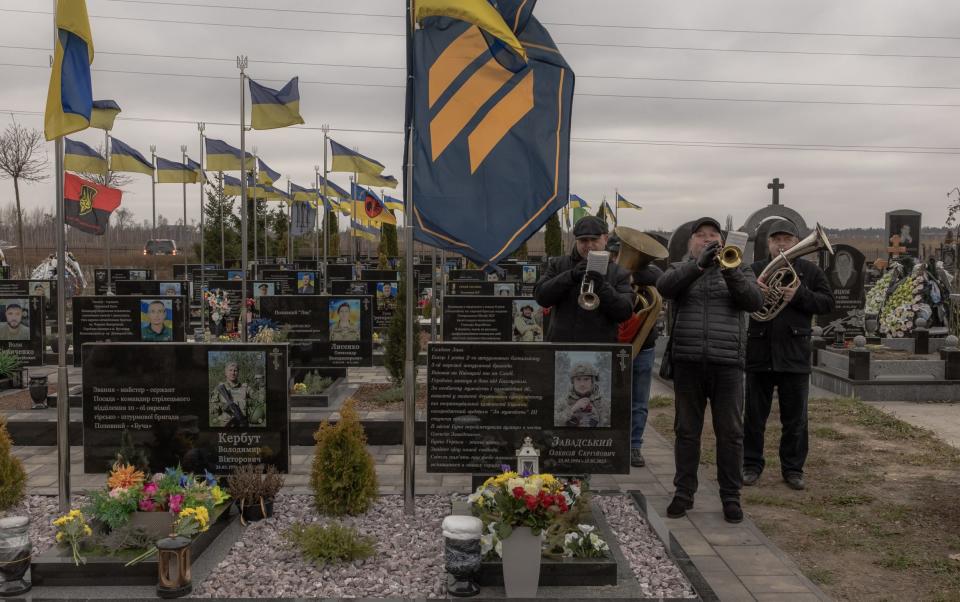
(707, 354)
(559, 289)
(778, 355)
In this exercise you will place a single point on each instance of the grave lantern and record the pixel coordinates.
(173, 564)
(528, 458)
(839, 333)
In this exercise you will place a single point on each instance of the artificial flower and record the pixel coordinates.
(124, 476)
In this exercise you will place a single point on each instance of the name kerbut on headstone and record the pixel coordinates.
(505, 319)
(22, 326)
(573, 400)
(845, 273)
(324, 330)
(127, 318)
(201, 406)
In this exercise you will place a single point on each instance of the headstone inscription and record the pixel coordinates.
(845, 271)
(384, 295)
(505, 319)
(903, 232)
(127, 318)
(339, 271)
(166, 288)
(371, 274)
(474, 275)
(117, 274)
(573, 400)
(324, 330)
(286, 281)
(42, 288)
(22, 327)
(227, 406)
(181, 272)
(496, 289)
(424, 278)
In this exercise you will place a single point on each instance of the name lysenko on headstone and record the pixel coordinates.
(127, 318)
(324, 330)
(505, 319)
(22, 328)
(845, 272)
(227, 406)
(573, 400)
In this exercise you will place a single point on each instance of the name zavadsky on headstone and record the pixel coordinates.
(226, 406)
(127, 318)
(573, 400)
(334, 331)
(22, 327)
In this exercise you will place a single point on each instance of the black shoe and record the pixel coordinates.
(732, 513)
(678, 507)
(636, 458)
(750, 477)
(795, 481)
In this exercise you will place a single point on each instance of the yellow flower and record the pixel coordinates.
(59, 537)
(124, 476)
(87, 531)
(61, 521)
(219, 495)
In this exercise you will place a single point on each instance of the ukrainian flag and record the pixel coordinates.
(231, 186)
(223, 157)
(348, 160)
(70, 93)
(608, 214)
(125, 158)
(330, 188)
(265, 175)
(393, 204)
(171, 172)
(79, 157)
(576, 202)
(623, 203)
(363, 230)
(303, 194)
(197, 168)
(377, 181)
(104, 114)
(275, 108)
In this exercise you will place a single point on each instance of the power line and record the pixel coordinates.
(557, 24)
(909, 150)
(559, 42)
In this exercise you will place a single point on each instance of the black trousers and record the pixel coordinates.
(694, 384)
(792, 390)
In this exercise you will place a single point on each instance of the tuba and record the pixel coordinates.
(637, 250)
(779, 274)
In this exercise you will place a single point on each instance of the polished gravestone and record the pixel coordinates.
(484, 398)
(23, 288)
(338, 271)
(333, 331)
(374, 274)
(116, 275)
(200, 406)
(22, 328)
(185, 272)
(202, 278)
(495, 289)
(903, 232)
(232, 289)
(492, 319)
(127, 318)
(383, 293)
(166, 288)
(845, 271)
(286, 281)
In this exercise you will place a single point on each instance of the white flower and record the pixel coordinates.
(514, 483)
(575, 489)
(595, 540)
(570, 538)
(486, 544)
(586, 529)
(531, 488)
(499, 548)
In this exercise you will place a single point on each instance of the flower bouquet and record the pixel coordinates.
(218, 304)
(509, 500)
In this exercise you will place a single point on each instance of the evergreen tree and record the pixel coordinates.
(389, 233)
(13, 478)
(520, 252)
(219, 204)
(394, 352)
(333, 234)
(553, 237)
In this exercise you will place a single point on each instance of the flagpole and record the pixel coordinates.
(63, 388)
(616, 205)
(153, 197)
(106, 182)
(289, 223)
(223, 238)
(242, 64)
(203, 236)
(409, 361)
(255, 170)
(438, 294)
(183, 232)
(316, 221)
(326, 207)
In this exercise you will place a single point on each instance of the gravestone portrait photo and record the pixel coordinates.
(581, 395)
(344, 319)
(305, 283)
(527, 321)
(529, 274)
(844, 273)
(387, 295)
(16, 320)
(503, 290)
(156, 320)
(237, 389)
(261, 289)
(170, 289)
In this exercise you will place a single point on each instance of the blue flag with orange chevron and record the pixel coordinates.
(491, 137)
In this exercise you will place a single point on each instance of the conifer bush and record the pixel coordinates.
(13, 479)
(343, 477)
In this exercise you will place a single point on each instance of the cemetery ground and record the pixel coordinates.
(878, 518)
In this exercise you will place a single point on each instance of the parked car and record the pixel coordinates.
(160, 246)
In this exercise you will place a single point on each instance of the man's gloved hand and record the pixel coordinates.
(597, 278)
(578, 271)
(708, 256)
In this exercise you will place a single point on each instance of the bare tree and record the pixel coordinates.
(21, 159)
(123, 218)
(113, 179)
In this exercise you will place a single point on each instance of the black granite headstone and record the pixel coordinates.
(24, 288)
(474, 275)
(845, 272)
(22, 328)
(232, 289)
(903, 232)
(186, 273)
(127, 318)
(324, 330)
(166, 288)
(505, 319)
(384, 295)
(573, 400)
(286, 281)
(200, 406)
(337, 271)
(373, 274)
(116, 275)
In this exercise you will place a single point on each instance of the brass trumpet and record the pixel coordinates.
(597, 261)
(729, 257)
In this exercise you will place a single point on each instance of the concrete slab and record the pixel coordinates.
(941, 418)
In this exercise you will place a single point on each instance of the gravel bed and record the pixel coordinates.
(656, 573)
(41, 509)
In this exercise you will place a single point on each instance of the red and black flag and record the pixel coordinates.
(87, 206)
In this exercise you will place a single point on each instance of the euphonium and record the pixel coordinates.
(637, 250)
(779, 273)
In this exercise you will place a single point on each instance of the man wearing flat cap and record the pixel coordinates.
(559, 288)
(708, 344)
(778, 357)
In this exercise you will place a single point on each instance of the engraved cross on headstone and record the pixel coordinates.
(623, 356)
(276, 354)
(776, 187)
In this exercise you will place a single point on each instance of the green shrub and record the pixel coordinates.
(330, 543)
(316, 384)
(8, 363)
(13, 479)
(343, 478)
(394, 351)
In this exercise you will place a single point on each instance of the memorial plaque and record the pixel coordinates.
(127, 318)
(496, 289)
(505, 319)
(181, 272)
(903, 232)
(24, 288)
(333, 331)
(201, 279)
(473, 275)
(200, 406)
(116, 275)
(424, 278)
(381, 275)
(573, 400)
(384, 296)
(305, 264)
(845, 273)
(22, 327)
(338, 271)
(286, 281)
(166, 288)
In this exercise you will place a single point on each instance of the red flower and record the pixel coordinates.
(546, 500)
(518, 492)
(531, 502)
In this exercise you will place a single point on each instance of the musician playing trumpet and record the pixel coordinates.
(778, 355)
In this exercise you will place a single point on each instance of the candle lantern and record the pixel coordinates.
(173, 564)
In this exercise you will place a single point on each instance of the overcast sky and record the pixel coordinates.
(674, 183)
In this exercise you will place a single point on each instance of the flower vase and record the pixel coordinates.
(15, 553)
(521, 563)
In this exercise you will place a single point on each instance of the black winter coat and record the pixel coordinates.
(648, 276)
(783, 343)
(569, 323)
(709, 306)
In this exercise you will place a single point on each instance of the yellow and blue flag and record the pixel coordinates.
(223, 157)
(608, 214)
(124, 157)
(491, 144)
(364, 230)
(231, 185)
(393, 204)
(373, 207)
(330, 188)
(623, 203)
(303, 194)
(79, 157)
(265, 175)
(201, 176)
(577, 202)
(104, 114)
(377, 181)
(173, 172)
(345, 159)
(70, 93)
(274, 108)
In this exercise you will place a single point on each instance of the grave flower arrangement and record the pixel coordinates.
(900, 309)
(72, 529)
(218, 303)
(584, 543)
(510, 500)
